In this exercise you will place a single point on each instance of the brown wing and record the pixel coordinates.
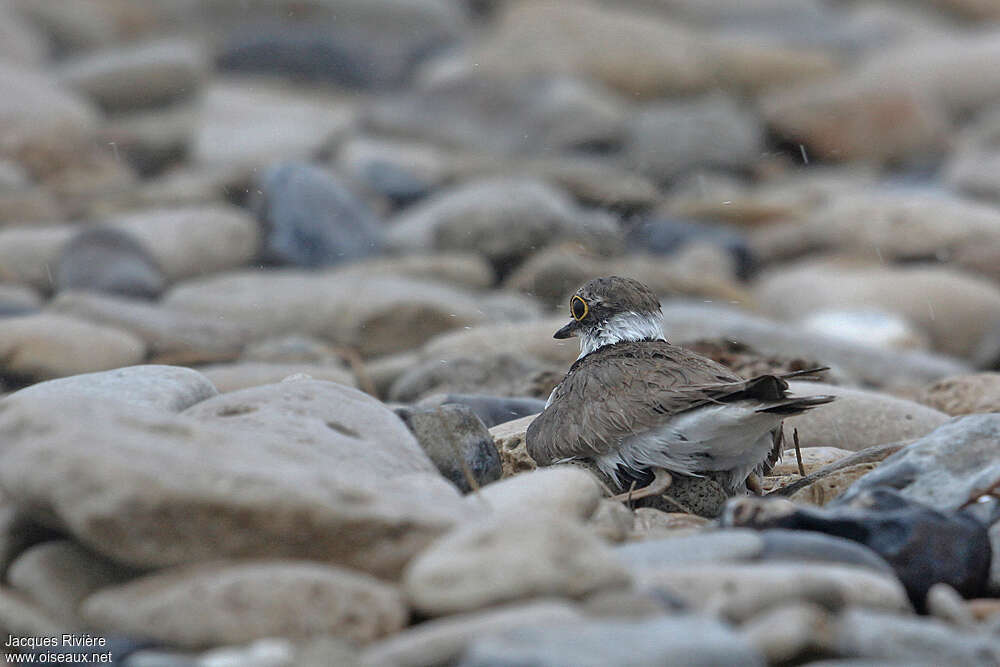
(623, 389)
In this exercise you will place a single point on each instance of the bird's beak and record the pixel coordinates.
(567, 331)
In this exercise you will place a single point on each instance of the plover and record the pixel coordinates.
(639, 407)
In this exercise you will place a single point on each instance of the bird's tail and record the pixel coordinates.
(794, 405)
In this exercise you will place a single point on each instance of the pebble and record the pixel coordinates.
(948, 468)
(492, 376)
(373, 314)
(869, 633)
(457, 442)
(954, 309)
(537, 115)
(166, 388)
(650, 523)
(922, 544)
(565, 491)
(667, 139)
(192, 241)
(235, 602)
(683, 640)
(318, 451)
(45, 346)
(860, 364)
(859, 419)
(697, 270)
(357, 45)
(28, 254)
(171, 337)
(238, 375)
(506, 558)
(59, 574)
(738, 546)
(740, 591)
(150, 74)
(45, 125)
(108, 260)
(471, 217)
(509, 438)
(442, 641)
(243, 125)
(18, 300)
(667, 236)
(312, 219)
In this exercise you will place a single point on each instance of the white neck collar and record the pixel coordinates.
(620, 328)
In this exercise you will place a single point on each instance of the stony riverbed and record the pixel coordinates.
(278, 283)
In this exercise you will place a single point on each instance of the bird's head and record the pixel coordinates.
(612, 310)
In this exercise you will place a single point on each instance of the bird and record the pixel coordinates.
(642, 410)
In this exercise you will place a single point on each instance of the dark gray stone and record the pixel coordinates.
(492, 410)
(691, 641)
(924, 546)
(312, 220)
(947, 469)
(457, 442)
(663, 236)
(807, 546)
(329, 52)
(396, 183)
(109, 260)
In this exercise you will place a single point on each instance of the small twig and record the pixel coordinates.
(798, 452)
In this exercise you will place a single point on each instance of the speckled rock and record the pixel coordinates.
(506, 558)
(228, 603)
(510, 443)
(963, 394)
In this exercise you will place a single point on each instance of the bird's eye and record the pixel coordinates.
(578, 308)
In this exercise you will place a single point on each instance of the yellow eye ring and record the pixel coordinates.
(578, 308)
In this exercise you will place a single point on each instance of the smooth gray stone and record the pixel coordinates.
(945, 469)
(691, 641)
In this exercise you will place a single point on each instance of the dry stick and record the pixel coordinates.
(798, 452)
